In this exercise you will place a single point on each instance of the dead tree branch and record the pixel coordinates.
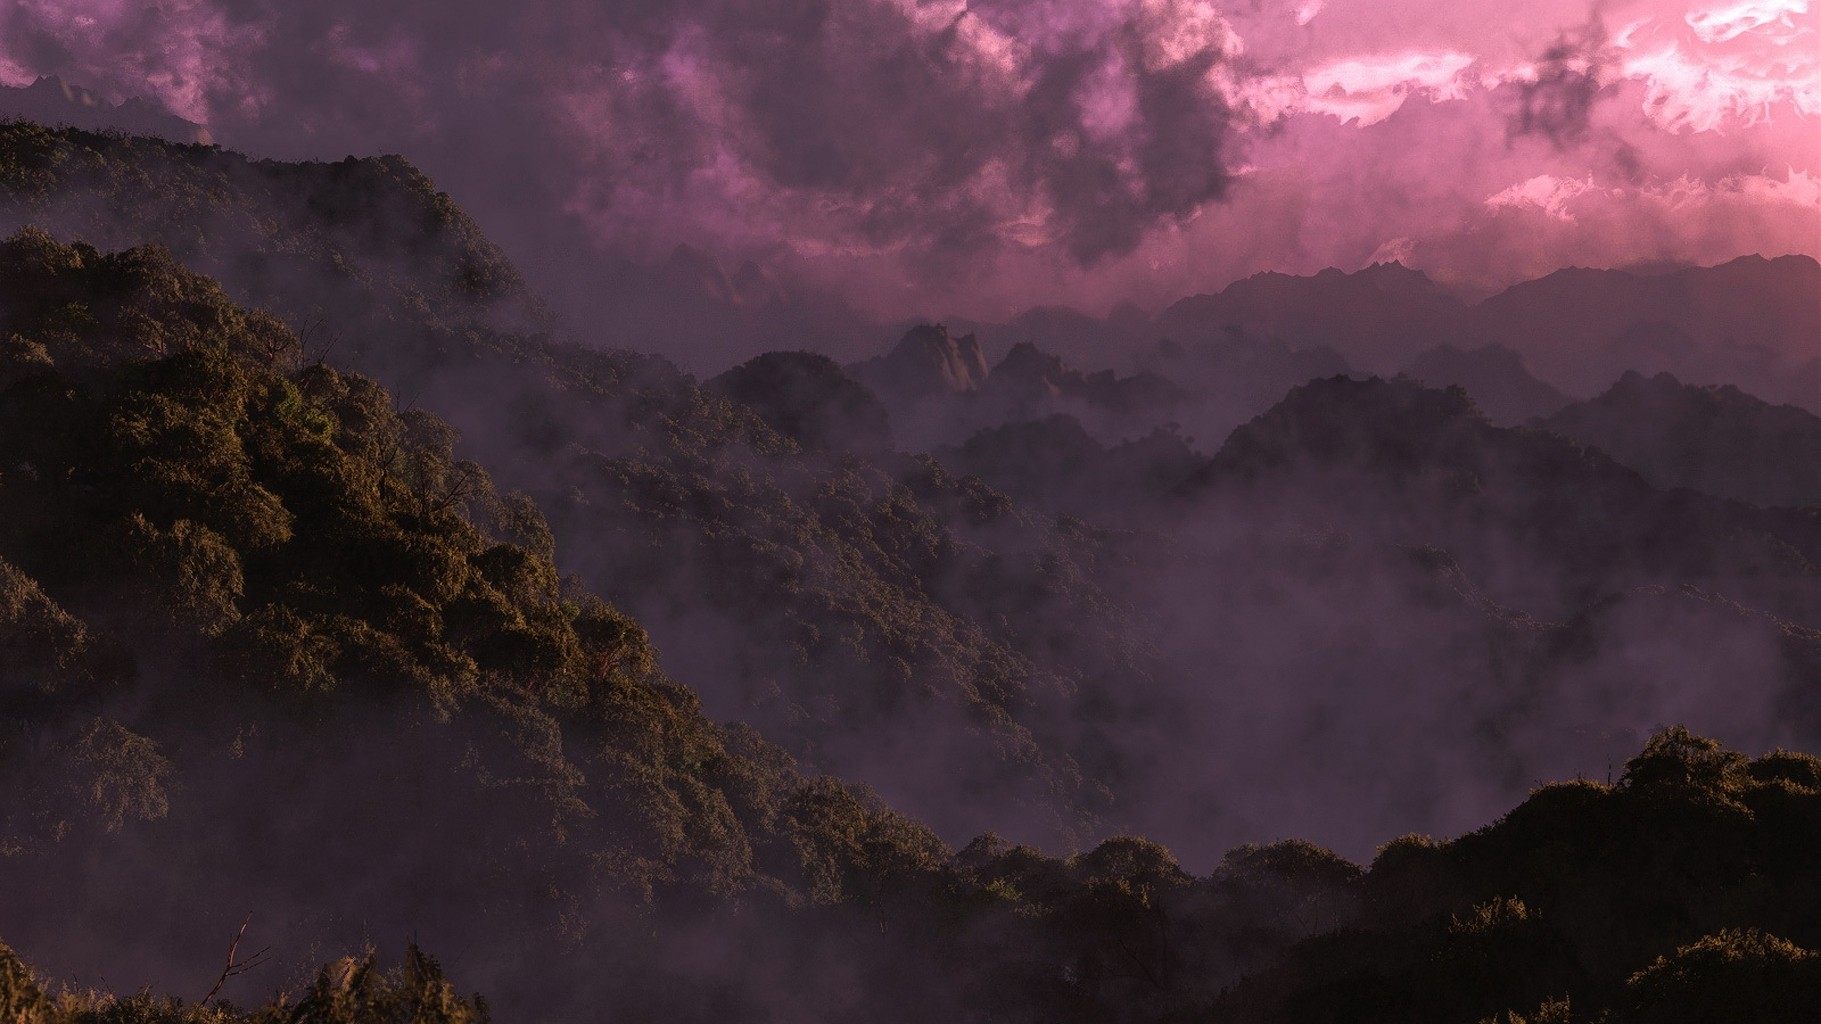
(234, 967)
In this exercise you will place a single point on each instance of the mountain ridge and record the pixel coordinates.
(246, 583)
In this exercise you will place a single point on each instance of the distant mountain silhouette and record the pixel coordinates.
(1234, 375)
(1084, 340)
(806, 397)
(928, 361)
(1496, 377)
(699, 270)
(1409, 464)
(1378, 317)
(1028, 379)
(1055, 463)
(51, 100)
(1211, 362)
(939, 391)
(1753, 322)
(1714, 439)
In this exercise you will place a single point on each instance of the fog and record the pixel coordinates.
(1262, 482)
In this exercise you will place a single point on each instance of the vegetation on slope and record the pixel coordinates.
(232, 577)
(268, 641)
(1680, 892)
(826, 582)
(350, 991)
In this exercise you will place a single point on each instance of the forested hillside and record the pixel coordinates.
(340, 585)
(825, 581)
(268, 637)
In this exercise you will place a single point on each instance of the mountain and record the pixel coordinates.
(230, 576)
(51, 100)
(236, 581)
(928, 361)
(1719, 440)
(1233, 376)
(883, 619)
(1055, 463)
(940, 391)
(981, 663)
(277, 636)
(1029, 381)
(1495, 376)
(1754, 323)
(806, 397)
(1377, 318)
(926, 381)
(1084, 340)
(1415, 464)
(333, 248)
(1371, 565)
(1584, 887)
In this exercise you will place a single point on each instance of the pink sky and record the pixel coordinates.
(978, 157)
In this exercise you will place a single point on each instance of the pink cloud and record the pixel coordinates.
(179, 52)
(1777, 19)
(971, 155)
(1369, 89)
(1545, 192)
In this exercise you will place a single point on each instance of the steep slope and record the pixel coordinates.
(1714, 439)
(849, 600)
(806, 397)
(927, 362)
(243, 591)
(271, 643)
(1499, 932)
(366, 261)
(987, 666)
(352, 990)
(1678, 892)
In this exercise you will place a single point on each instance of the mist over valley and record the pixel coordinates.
(681, 545)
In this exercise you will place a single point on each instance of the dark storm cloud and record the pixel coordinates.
(1558, 104)
(965, 156)
(1178, 134)
(876, 125)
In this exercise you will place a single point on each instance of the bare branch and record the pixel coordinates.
(234, 967)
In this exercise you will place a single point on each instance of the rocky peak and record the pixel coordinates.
(928, 359)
